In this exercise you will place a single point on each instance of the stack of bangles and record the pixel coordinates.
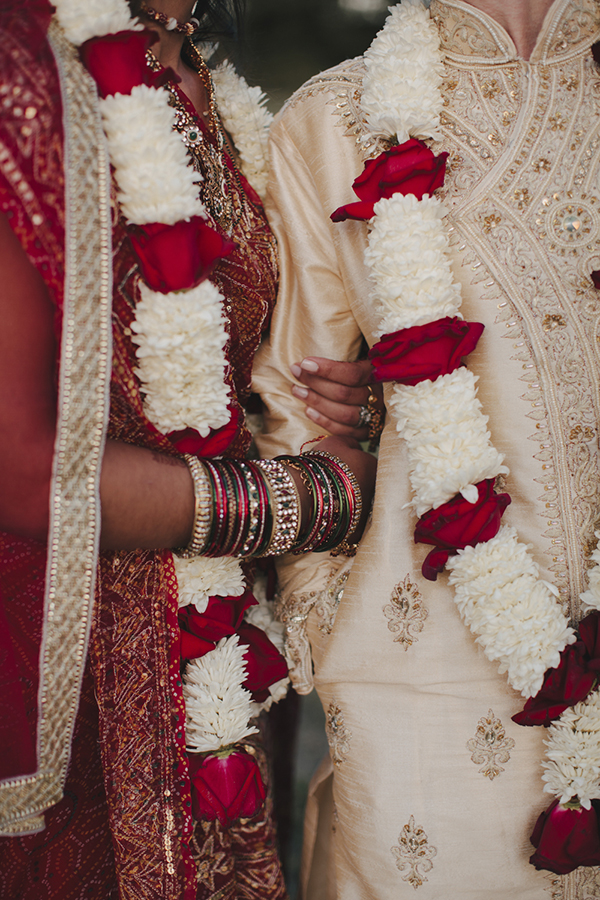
(252, 508)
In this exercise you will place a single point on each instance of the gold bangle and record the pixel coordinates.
(203, 511)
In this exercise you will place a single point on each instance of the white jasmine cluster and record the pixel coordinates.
(94, 18)
(202, 577)
(181, 358)
(155, 182)
(218, 708)
(514, 614)
(572, 764)
(410, 266)
(448, 442)
(402, 87)
(245, 116)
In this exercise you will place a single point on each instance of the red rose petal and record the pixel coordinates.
(117, 62)
(566, 839)
(459, 524)
(410, 168)
(424, 352)
(226, 788)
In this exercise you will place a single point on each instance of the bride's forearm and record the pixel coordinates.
(147, 499)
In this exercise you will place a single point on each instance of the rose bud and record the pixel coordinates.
(117, 62)
(177, 257)
(226, 786)
(221, 618)
(566, 839)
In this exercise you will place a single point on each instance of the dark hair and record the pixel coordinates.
(218, 18)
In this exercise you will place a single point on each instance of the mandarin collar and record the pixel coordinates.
(470, 35)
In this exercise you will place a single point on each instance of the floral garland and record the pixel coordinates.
(232, 668)
(514, 614)
(245, 117)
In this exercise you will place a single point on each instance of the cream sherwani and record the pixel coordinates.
(430, 786)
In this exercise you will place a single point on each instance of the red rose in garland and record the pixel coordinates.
(410, 168)
(222, 618)
(571, 681)
(424, 352)
(459, 524)
(264, 663)
(177, 257)
(225, 786)
(214, 444)
(566, 838)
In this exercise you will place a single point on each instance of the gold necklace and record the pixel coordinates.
(216, 185)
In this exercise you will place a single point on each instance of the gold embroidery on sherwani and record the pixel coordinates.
(582, 884)
(337, 734)
(413, 854)
(490, 747)
(406, 613)
(329, 600)
(532, 247)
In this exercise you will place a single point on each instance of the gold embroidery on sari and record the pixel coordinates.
(83, 410)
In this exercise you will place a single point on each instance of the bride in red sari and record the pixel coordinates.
(96, 797)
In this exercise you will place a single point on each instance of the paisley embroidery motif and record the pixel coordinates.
(406, 613)
(337, 734)
(413, 854)
(490, 747)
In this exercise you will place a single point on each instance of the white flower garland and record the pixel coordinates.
(181, 336)
(93, 18)
(245, 116)
(150, 161)
(572, 766)
(514, 614)
(218, 708)
(448, 443)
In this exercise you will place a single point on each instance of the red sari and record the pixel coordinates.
(124, 826)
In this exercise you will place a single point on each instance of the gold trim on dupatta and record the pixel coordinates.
(85, 370)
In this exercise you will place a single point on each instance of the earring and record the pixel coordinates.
(194, 20)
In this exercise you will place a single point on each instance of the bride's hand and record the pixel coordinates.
(337, 394)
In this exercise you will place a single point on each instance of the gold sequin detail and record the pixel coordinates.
(337, 734)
